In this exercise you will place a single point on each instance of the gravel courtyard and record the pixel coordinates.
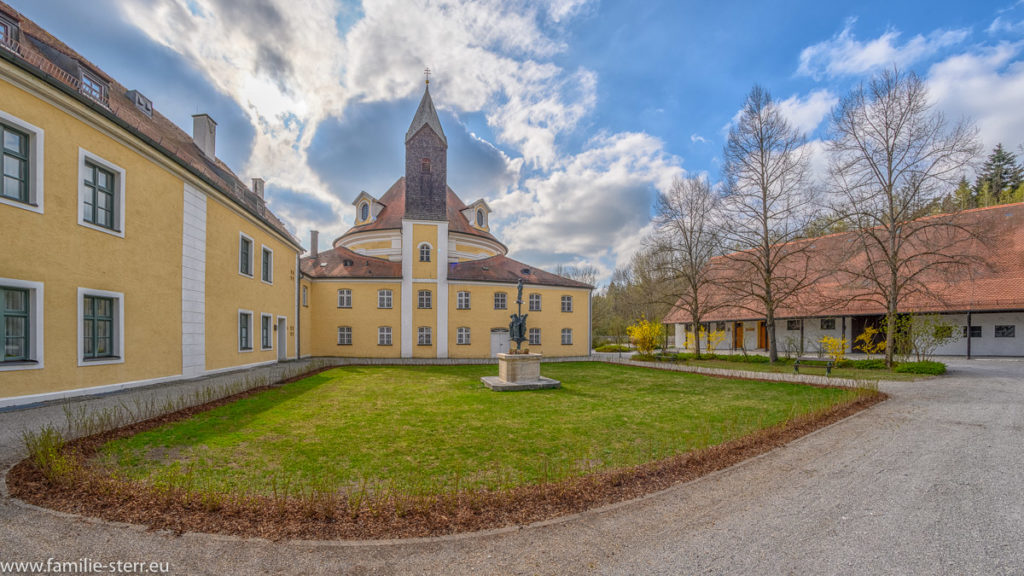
(928, 482)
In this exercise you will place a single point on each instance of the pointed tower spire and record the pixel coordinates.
(426, 115)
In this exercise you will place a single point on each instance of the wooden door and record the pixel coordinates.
(762, 335)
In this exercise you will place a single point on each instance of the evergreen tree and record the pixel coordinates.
(964, 195)
(999, 179)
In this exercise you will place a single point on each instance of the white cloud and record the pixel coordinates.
(844, 55)
(986, 85)
(695, 138)
(806, 113)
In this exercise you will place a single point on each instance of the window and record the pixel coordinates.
(534, 302)
(480, 218)
(975, 331)
(364, 212)
(384, 299)
(792, 324)
(534, 334)
(1005, 331)
(245, 255)
(14, 324)
(425, 299)
(462, 336)
(21, 331)
(6, 31)
(344, 335)
(828, 323)
(500, 301)
(462, 300)
(566, 336)
(424, 252)
(305, 297)
(425, 166)
(101, 194)
(16, 164)
(266, 332)
(943, 332)
(566, 303)
(244, 331)
(384, 336)
(21, 154)
(94, 87)
(101, 327)
(267, 265)
(423, 334)
(720, 326)
(345, 298)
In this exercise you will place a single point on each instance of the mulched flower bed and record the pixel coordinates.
(318, 516)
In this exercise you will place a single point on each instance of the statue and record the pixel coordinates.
(517, 327)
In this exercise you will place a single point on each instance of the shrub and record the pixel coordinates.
(646, 335)
(835, 348)
(924, 367)
(869, 364)
(750, 358)
(866, 341)
(612, 348)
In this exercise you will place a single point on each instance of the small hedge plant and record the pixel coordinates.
(923, 367)
(612, 348)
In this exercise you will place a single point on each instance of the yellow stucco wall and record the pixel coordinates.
(424, 318)
(54, 249)
(305, 318)
(364, 317)
(424, 233)
(370, 245)
(482, 317)
(228, 291)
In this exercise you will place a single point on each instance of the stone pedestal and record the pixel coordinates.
(519, 372)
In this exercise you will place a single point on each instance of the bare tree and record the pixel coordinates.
(769, 205)
(686, 238)
(585, 273)
(891, 156)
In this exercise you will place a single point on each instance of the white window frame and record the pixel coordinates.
(390, 296)
(271, 334)
(419, 300)
(365, 206)
(118, 324)
(529, 302)
(119, 188)
(566, 299)
(504, 300)
(529, 336)
(36, 164)
(349, 328)
(383, 331)
(566, 332)
(252, 255)
(426, 331)
(430, 252)
(463, 300)
(344, 297)
(35, 325)
(462, 336)
(263, 273)
(238, 332)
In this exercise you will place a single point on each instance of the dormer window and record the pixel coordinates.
(94, 87)
(425, 166)
(364, 212)
(480, 218)
(8, 32)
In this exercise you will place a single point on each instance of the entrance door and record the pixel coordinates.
(762, 335)
(282, 338)
(499, 341)
(737, 335)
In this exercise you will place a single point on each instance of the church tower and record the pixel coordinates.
(426, 165)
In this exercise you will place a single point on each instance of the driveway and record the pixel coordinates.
(930, 482)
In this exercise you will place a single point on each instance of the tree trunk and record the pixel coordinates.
(769, 326)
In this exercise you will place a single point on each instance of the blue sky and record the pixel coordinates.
(568, 116)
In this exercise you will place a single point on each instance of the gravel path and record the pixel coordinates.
(930, 482)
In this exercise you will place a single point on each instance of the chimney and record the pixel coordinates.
(257, 187)
(204, 134)
(314, 243)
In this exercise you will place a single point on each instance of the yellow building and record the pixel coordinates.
(131, 254)
(420, 275)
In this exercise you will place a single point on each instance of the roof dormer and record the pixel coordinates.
(478, 214)
(94, 86)
(367, 208)
(8, 32)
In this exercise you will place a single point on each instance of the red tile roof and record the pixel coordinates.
(390, 218)
(40, 53)
(994, 280)
(344, 263)
(504, 269)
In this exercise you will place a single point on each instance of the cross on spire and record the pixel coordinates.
(426, 74)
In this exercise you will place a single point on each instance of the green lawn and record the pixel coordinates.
(429, 429)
